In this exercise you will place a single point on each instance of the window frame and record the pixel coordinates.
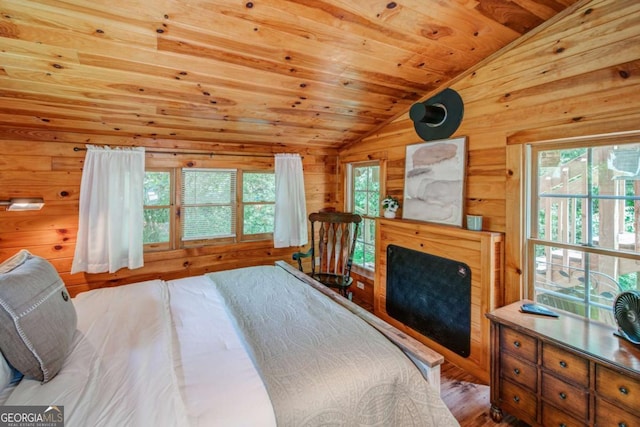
(531, 238)
(350, 206)
(173, 206)
(241, 205)
(176, 209)
(192, 243)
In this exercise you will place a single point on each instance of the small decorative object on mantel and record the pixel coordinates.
(390, 206)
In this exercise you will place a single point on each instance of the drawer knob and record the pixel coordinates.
(516, 371)
(516, 399)
(563, 363)
(562, 425)
(623, 390)
(622, 424)
(563, 395)
(517, 344)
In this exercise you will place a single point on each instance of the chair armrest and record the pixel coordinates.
(297, 256)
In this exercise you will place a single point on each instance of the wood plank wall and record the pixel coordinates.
(37, 164)
(579, 76)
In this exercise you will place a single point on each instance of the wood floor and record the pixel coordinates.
(468, 400)
(465, 396)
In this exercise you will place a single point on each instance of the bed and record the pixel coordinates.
(256, 346)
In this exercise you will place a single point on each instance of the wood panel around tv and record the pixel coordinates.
(481, 251)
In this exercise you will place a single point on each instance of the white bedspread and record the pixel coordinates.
(219, 382)
(187, 367)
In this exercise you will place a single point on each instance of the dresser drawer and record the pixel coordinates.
(565, 396)
(519, 401)
(618, 387)
(520, 344)
(554, 417)
(568, 365)
(519, 371)
(610, 415)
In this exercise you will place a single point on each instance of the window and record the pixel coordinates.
(364, 199)
(583, 233)
(258, 201)
(158, 209)
(204, 207)
(208, 204)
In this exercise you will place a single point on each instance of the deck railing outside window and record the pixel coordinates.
(584, 240)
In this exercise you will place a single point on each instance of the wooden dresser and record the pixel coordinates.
(564, 372)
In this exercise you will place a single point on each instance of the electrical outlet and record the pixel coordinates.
(359, 285)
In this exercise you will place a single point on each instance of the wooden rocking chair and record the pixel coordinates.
(332, 247)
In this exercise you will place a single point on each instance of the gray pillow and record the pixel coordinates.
(37, 317)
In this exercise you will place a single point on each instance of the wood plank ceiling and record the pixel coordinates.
(315, 73)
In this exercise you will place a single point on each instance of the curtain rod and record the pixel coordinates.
(199, 153)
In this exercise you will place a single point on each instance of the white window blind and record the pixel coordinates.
(208, 203)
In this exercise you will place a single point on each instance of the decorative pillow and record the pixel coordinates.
(37, 317)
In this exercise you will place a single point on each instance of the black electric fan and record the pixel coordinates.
(626, 309)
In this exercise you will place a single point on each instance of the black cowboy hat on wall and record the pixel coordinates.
(439, 116)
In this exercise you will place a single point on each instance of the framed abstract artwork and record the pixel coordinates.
(434, 181)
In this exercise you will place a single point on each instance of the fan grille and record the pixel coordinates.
(626, 309)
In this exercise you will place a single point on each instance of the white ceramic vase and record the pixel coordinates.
(389, 214)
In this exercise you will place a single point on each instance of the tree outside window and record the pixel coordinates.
(259, 201)
(365, 201)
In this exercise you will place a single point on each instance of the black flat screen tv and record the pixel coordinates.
(431, 295)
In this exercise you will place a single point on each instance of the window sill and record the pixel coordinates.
(364, 272)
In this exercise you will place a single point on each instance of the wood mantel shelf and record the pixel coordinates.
(482, 251)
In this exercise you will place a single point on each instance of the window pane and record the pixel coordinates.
(366, 202)
(360, 178)
(157, 188)
(366, 190)
(207, 186)
(208, 203)
(258, 187)
(369, 227)
(370, 257)
(374, 179)
(206, 222)
(358, 254)
(589, 196)
(258, 219)
(156, 226)
(588, 201)
(562, 276)
(562, 172)
(561, 219)
(621, 161)
(373, 208)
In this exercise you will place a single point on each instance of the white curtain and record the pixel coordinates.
(291, 207)
(111, 211)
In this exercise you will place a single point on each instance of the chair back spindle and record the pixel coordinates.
(333, 239)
